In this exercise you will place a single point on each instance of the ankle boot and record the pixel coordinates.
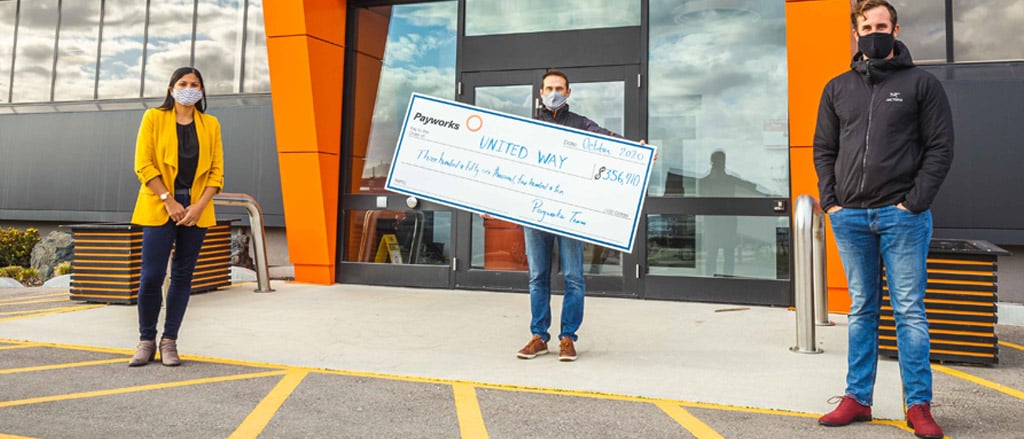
(144, 353)
(169, 352)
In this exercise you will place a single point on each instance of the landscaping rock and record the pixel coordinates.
(57, 247)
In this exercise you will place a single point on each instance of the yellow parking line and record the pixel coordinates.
(1011, 345)
(27, 302)
(35, 310)
(11, 436)
(122, 390)
(61, 366)
(979, 381)
(467, 407)
(51, 312)
(15, 299)
(19, 346)
(260, 416)
(695, 426)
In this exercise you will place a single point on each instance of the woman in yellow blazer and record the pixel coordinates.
(180, 162)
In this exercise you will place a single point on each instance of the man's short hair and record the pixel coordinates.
(866, 5)
(555, 72)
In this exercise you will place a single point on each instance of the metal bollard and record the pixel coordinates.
(259, 236)
(803, 272)
(820, 276)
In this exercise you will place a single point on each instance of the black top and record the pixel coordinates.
(563, 116)
(188, 155)
(884, 135)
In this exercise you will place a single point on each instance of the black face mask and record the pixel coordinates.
(877, 45)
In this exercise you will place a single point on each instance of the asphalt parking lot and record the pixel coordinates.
(58, 390)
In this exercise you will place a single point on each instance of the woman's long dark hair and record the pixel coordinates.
(182, 71)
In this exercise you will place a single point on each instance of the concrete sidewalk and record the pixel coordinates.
(722, 354)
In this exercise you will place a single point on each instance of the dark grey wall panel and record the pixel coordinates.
(77, 166)
(980, 198)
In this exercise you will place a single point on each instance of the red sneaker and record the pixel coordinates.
(849, 410)
(919, 417)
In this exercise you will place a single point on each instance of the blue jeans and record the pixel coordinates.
(539, 245)
(156, 248)
(867, 238)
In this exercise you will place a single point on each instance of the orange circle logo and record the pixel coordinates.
(474, 122)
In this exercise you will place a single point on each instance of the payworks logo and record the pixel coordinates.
(427, 120)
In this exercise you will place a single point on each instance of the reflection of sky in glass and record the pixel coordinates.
(486, 17)
(219, 44)
(922, 29)
(257, 74)
(34, 55)
(511, 99)
(718, 82)
(419, 57)
(170, 43)
(121, 50)
(76, 51)
(987, 30)
(7, 9)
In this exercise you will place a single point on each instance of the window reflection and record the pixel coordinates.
(219, 44)
(257, 74)
(7, 16)
(985, 30)
(487, 17)
(399, 237)
(419, 56)
(169, 45)
(121, 49)
(718, 83)
(718, 246)
(923, 29)
(76, 51)
(34, 55)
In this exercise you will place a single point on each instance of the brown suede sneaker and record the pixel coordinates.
(536, 346)
(566, 350)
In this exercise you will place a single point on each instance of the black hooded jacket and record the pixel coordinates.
(563, 116)
(884, 135)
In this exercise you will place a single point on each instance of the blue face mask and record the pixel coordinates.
(553, 100)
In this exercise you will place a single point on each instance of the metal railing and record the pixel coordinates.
(259, 235)
(809, 273)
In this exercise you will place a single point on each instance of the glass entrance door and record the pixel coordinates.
(495, 251)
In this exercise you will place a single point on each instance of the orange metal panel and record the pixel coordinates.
(324, 19)
(315, 274)
(306, 84)
(373, 30)
(818, 48)
(309, 184)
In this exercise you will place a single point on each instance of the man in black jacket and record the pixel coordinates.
(882, 147)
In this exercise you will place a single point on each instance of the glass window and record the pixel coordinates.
(33, 65)
(718, 246)
(257, 71)
(985, 30)
(487, 17)
(399, 237)
(8, 10)
(121, 49)
(219, 44)
(76, 51)
(923, 29)
(419, 56)
(718, 84)
(170, 43)
(511, 99)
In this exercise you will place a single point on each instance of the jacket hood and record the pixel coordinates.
(876, 70)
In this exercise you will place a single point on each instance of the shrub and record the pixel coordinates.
(62, 268)
(13, 272)
(16, 246)
(30, 277)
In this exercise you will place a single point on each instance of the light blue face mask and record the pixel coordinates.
(187, 96)
(553, 100)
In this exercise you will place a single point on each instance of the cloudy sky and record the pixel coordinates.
(218, 47)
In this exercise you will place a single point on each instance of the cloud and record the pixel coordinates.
(485, 17)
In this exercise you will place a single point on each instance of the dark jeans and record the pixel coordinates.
(156, 248)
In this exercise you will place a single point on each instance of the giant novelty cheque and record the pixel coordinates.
(570, 182)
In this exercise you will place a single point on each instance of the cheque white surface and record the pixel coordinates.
(566, 181)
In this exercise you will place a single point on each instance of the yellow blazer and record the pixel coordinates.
(156, 155)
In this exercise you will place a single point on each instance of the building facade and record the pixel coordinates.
(312, 104)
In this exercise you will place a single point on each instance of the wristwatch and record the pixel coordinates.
(164, 196)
